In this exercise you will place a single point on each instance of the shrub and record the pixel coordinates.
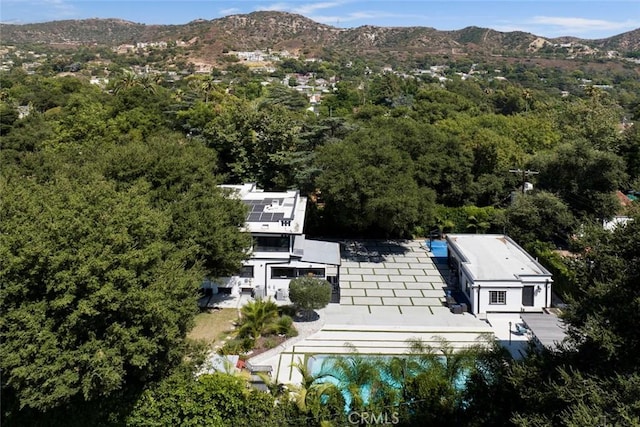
(237, 346)
(270, 342)
(284, 326)
(309, 293)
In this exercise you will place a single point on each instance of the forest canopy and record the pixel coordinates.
(111, 217)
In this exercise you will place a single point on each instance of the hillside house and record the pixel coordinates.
(497, 275)
(280, 250)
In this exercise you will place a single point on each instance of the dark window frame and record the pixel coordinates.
(494, 297)
(266, 243)
(247, 272)
(304, 272)
(290, 274)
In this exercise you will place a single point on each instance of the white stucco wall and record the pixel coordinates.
(262, 273)
(510, 273)
(513, 301)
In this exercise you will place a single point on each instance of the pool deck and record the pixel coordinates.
(391, 292)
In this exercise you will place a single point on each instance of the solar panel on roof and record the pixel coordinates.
(257, 211)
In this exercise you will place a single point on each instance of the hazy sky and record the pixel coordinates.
(584, 18)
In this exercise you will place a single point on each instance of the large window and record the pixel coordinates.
(291, 272)
(246, 272)
(283, 272)
(313, 272)
(497, 297)
(271, 244)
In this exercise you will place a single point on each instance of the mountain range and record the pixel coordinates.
(287, 31)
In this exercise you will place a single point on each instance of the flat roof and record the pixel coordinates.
(494, 257)
(321, 252)
(549, 329)
(270, 211)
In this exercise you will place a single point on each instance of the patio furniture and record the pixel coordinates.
(521, 329)
(253, 369)
(456, 309)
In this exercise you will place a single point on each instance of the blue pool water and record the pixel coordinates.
(322, 363)
(438, 248)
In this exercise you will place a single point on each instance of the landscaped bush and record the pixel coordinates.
(237, 346)
(309, 293)
(284, 326)
(258, 317)
(270, 342)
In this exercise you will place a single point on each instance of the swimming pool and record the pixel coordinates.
(321, 365)
(438, 248)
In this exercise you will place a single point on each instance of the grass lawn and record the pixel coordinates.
(212, 327)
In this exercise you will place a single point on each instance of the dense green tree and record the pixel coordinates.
(446, 167)
(489, 398)
(275, 142)
(95, 294)
(183, 183)
(314, 132)
(44, 93)
(538, 216)
(435, 103)
(608, 273)
(83, 118)
(585, 178)
(216, 400)
(384, 89)
(369, 186)
(8, 116)
(286, 97)
(597, 120)
(510, 100)
(629, 150)
(342, 101)
(29, 134)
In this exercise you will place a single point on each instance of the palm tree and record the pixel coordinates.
(444, 224)
(257, 317)
(203, 87)
(147, 83)
(357, 378)
(437, 388)
(451, 363)
(316, 398)
(312, 389)
(126, 81)
(475, 225)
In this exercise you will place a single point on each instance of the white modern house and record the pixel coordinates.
(497, 275)
(280, 250)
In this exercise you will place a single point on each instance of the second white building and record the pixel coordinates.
(497, 275)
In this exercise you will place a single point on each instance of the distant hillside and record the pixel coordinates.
(280, 30)
(86, 31)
